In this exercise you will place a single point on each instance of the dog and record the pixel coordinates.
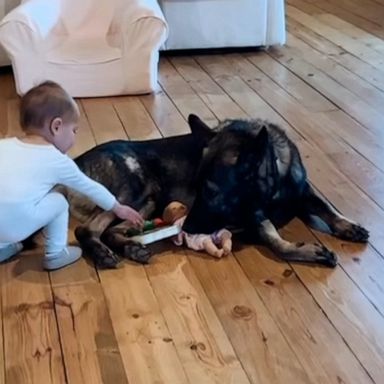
(244, 173)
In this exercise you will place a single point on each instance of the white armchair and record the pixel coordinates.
(90, 47)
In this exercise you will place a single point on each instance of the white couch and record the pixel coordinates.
(91, 47)
(195, 24)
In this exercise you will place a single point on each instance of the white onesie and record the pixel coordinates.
(28, 172)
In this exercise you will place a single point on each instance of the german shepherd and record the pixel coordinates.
(244, 173)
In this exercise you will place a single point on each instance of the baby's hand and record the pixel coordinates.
(124, 212)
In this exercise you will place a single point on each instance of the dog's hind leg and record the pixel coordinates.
(302, 252)
(89, 235)
(117, 239)
(314, 205)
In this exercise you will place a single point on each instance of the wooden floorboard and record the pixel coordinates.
(336, 8)
(337, 54)
(302, 321)
(247, 318)
(201, 341)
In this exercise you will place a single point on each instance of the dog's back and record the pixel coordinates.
(156, 171)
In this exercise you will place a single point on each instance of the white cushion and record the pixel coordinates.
(83, 18)
(83, 51)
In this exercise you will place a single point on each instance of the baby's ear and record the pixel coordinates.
(55, 125)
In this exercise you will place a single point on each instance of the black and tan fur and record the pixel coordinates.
(244, 174)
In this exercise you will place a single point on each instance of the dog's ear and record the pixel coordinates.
(262, 137)
(253, 148)
(199, 128)
(260, 142)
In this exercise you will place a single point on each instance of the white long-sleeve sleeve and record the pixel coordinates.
(71, 176)
(28, 172)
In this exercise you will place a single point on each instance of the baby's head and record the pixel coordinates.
(173, 211)
(49, 111)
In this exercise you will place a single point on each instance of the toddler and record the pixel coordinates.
(32, 165)
(216, 244)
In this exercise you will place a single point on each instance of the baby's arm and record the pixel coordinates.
(71, 176)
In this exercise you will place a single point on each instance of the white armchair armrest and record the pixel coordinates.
(141, 29)
(39, 16)
(133, 11)
(143, 25)
(23, 33)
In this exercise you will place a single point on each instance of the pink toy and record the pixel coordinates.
(216, 244)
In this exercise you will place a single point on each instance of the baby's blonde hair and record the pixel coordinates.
(45, 102)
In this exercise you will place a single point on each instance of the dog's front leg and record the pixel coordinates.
(302, 252)
(339, 225)
(116, 237)
(88, 235)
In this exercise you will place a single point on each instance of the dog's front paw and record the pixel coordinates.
(326, 257)
(316, 253)
(351, 232)
(104, 257)
(137, 252)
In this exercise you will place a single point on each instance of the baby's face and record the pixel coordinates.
(65, 130)
(66, 134)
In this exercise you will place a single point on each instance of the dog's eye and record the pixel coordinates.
(212, 186)
(230, 157)
(211, 191)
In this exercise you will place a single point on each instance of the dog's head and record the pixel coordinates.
(228, 176)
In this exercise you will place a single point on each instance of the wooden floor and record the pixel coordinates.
(186, 318)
